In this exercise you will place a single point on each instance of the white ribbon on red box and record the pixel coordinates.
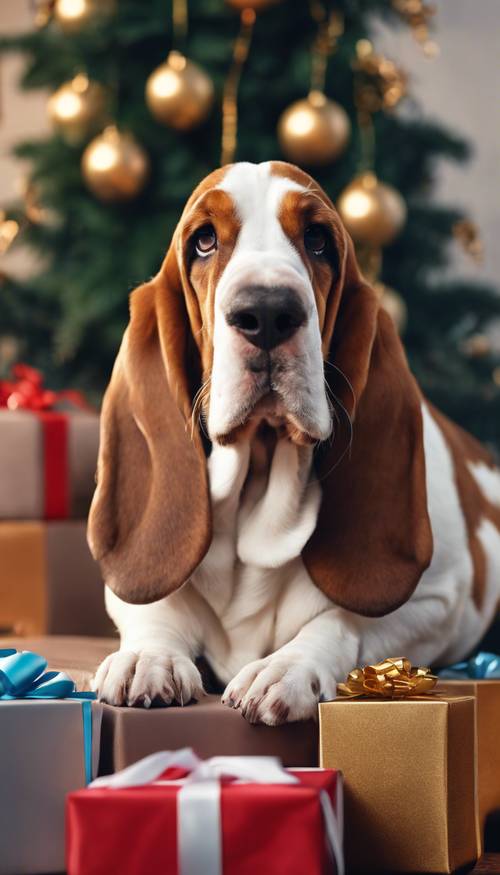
(198, 801)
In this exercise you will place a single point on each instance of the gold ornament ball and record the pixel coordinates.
(179, 93)
(115, 166)
(77, 108)
(394, 305)
(373, 212)
(477, 346)
(314, 131)
(73, 15)
(256, 5)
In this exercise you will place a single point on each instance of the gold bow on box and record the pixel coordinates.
(394, 678)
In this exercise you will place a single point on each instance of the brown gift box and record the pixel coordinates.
(410, 781)
(209, 727)
(49, 581)
(22, 463)
(487, 696)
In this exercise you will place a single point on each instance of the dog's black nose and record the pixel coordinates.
(266, 316)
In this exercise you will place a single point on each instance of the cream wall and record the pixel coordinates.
(460, 88)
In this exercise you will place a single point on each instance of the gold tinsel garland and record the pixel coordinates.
(230, 97)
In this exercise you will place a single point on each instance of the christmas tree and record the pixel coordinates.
(101, 212)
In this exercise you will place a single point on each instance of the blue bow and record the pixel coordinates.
(23, 676)
(481, 667)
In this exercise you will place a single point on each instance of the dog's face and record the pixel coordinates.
(262, 247)
(258, 290)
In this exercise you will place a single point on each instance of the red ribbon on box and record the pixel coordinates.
(27, 392)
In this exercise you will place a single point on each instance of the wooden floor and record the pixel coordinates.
(488, 865)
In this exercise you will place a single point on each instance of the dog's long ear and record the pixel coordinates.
(149, 524)
(373, 537)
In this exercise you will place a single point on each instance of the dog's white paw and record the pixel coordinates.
(277, 689)
(139, 678)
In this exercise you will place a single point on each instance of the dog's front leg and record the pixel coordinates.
(155, 661)
(288, 684)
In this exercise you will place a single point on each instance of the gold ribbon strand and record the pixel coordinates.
(179, 21)
(230, 97)
(330, 28)
(379, 85)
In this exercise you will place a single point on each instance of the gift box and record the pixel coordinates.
(47, 463)
(211, 728)
(49, 747)
(410, 781)
(48, 456)
(129, 734)
(49, 582)
(151, 818)
(486, 692)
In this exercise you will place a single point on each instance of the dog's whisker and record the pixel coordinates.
(336, 417)
(344, 377)
(199, 400)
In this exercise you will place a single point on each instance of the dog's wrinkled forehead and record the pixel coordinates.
(258, 195)
(245, 181)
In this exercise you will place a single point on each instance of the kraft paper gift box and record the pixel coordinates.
(175, 813)
(49, 747)
(47, 463)
(208, 726)
(49, 581)
(211, 728)
(487, 697)
(409, 769)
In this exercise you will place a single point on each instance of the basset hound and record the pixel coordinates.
(273, 491)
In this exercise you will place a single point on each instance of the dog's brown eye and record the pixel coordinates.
(205, 241)
(315, 239)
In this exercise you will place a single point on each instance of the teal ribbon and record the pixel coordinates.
(481, 667)
(23, 676)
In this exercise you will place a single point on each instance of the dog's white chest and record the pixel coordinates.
(260, 526)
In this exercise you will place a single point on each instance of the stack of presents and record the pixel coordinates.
(398, 774)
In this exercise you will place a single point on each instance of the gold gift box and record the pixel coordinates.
(410, 781)
(487, 696)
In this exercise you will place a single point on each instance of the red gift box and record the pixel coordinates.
(148, 820)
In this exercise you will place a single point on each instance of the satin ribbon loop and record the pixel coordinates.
(257, 770)
(198, 801)
(393, 678)
(481, 667)
(151, 769)
(23, 676)
(19, 673)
